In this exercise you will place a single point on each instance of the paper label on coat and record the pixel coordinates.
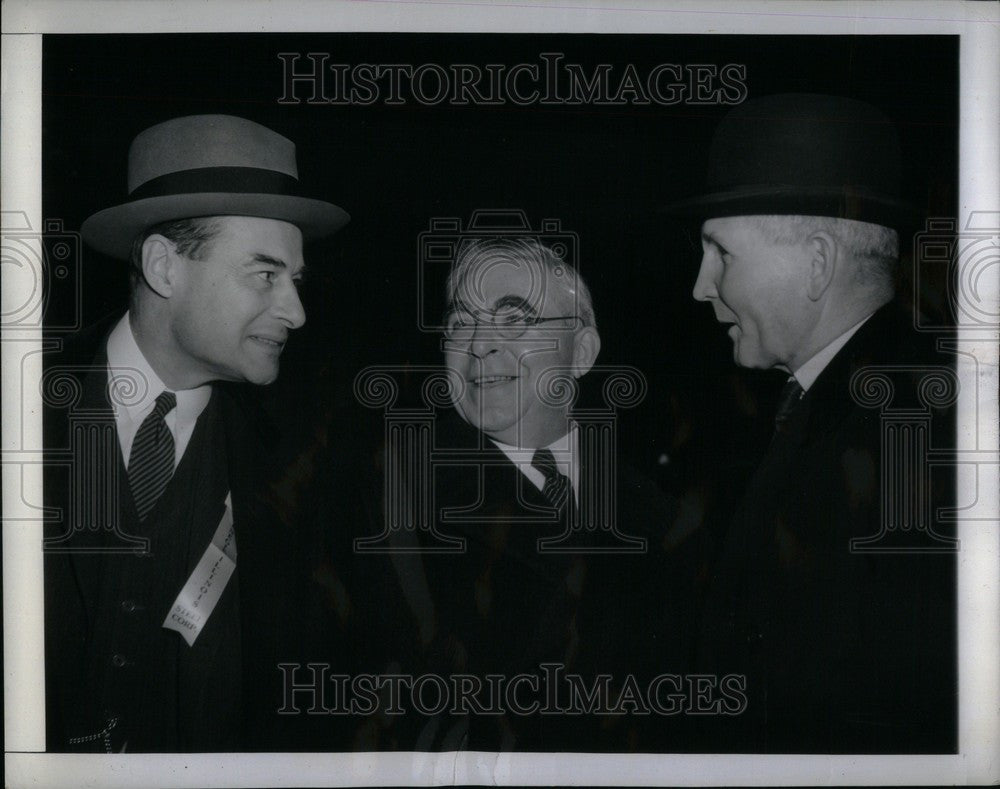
(201, 593)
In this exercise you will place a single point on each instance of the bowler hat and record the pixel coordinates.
(209, 165)
(806, 154)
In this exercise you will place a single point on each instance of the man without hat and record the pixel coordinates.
(520, 332)
(165, 626)
(848, 644)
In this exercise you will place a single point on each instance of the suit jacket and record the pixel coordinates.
(277, 617)
(844, 650)
(499, 606)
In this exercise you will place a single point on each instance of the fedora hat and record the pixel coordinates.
(209, 165)
(806, 154)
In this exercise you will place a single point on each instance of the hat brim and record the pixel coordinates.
(113, 230)
(838, 203)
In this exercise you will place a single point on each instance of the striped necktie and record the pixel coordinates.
(790, 395)
(151, 462)
(556, 489)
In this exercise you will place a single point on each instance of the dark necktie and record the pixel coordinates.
(151, 462)
(787, 400)
(557, 489)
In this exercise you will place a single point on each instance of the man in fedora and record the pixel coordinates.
(168, 611)
(847, 641)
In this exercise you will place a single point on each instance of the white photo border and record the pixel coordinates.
(24, 23)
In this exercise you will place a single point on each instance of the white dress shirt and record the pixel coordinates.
(125, 359)
(566, 452)
(807, 374)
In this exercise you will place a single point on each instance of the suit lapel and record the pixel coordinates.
(829, 398)
(270, 604)
(823, 407)
(260, 548)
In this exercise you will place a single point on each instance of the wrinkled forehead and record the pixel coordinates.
(495, 282)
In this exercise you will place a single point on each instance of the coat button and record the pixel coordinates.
(128, 606)
(118, 661)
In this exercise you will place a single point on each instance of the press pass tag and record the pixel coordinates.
(201, 593)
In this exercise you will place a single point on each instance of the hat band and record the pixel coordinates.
(237, 180)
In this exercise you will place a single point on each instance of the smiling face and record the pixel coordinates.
(758, 289)
(500, 382)
(230, 312)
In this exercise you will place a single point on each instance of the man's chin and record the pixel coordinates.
(740, 362)
(486, 422)
(741, 355)
(749, 360)
(261, 377)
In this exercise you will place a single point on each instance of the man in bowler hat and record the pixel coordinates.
(168, 613)
(847, 640)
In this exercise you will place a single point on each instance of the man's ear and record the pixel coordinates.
(586, 347)
(824, 252)
(159, 265)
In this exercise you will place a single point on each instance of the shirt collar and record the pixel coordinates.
(565, 450)
(807, 374)
(125, 359)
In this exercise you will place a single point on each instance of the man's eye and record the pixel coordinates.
(267, 276)
(511, 318)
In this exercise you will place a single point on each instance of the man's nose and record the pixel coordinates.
(704, 285)
(484, 340)
(288, 306)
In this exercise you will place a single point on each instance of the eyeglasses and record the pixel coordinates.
(460, 326)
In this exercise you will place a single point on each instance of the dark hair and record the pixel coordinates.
(190, 237)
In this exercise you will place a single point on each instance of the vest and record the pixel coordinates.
(145, 689)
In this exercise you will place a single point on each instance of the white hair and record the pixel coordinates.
(875, 248)
(519, 250)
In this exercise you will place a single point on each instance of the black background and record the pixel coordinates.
(600, 170)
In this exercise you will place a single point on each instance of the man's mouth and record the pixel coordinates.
(272, 343)
(492, 380)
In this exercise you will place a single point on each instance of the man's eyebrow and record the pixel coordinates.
(513, 302)
(504, 302)
(708, 238)
(260, 257)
